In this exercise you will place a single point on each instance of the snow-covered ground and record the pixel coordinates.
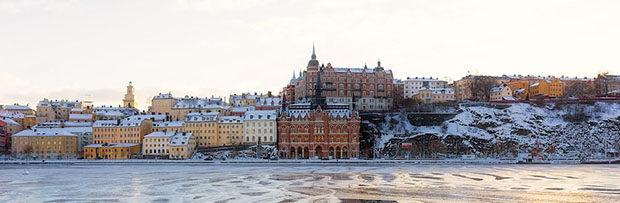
(308, 183)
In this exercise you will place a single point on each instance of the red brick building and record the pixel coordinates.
(318, 129)
(316, 133)
(367, 89)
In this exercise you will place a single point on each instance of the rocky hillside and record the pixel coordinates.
(559, 130)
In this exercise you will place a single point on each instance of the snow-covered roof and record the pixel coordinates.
(115, 111)
(44, 132)
(8, 114)
(78, 124)
(77, 109)
(80, 116)
(9, 121)
(180, 139)
(519, 91)
(509, 98)
(201, 116)
(231, 119)
(146, 117)
(359, 70)
(498, 89)
(168, 124)
(163, 96)
(112, 145)
(423, 79)
(252, 96)
(127, 122)
(243, 108)
(62, 103)
(260, 115)
(160, 134)
(16, 107)
(269, 101)
(196, 102)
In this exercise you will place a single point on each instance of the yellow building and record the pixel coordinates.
(111, 151)
(129, 130)
(553, 87)
(45, 143)
(129, 101)
(182, 145)
(204, 126)
(438, 95)
(162, 104)
(230, 130)
(178, 108)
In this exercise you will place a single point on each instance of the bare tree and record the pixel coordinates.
(27, 150)
(481, 87)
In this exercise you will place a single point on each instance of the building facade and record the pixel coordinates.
(111, 151)
(260, 127)
(51, 143)
(319, 129)
(553, 87)
(56, 110)
(230, 130)
(438, 95)
(501, 92)
(129, 130)
(157, 144)
(413, 85)
(178, 108)
(365, 89)
(204, 126)
(16, 108)
(182, 145)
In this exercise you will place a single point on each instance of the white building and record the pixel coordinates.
(156, 144)
(260, 126)
(501, 92)
(169, 144)
(414, 85)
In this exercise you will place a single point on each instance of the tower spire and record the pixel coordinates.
(313, 53)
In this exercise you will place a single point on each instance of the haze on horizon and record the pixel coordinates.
(90, 50)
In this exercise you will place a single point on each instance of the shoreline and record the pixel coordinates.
(300, 162)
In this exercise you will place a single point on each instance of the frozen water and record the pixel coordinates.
(308, 183)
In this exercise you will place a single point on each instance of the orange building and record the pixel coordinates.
(553, 87)
(129, 130)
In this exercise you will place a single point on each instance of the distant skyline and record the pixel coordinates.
(90, 50)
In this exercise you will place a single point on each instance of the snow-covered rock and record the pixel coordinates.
(559, 129)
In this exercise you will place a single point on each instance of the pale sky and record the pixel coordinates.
(90, 50)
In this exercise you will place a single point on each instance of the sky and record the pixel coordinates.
(90, 50)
